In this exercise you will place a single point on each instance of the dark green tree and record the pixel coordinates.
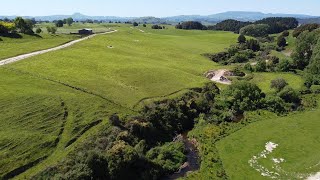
(242, 39)
(69, 21)
(281, 41)
(59, 23)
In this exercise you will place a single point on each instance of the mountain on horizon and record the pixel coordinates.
(214, 18)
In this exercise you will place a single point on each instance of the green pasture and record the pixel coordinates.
(298, 139)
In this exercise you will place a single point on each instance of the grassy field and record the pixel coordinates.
(298, 144)
(39, 117)
(139, 65)
(64, 96)
(16, 46)
(263, 80)
(51, 102)
(103, 27)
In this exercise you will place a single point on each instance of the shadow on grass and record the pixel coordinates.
(17, 36)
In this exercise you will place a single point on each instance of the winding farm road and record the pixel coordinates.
(28, 55)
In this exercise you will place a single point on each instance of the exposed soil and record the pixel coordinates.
(219, 76)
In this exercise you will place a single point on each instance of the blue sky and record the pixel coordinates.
(159, 8)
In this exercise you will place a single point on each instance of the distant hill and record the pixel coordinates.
(214, 18)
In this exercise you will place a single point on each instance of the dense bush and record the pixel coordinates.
(284, 65)
(244, 96)
(278, 84)
(52, 29)
(261, 66)
(38, 30)
(313, 69)
(281, 41)
(304, 48)
(230, 25)
(279, 24)
(135, 24)
(285, 33)
(305, 27)
(242, 39)
(6, 27)
(169, 156)
(253, 45)
(190, 25)
(289, 95)
(255, 30)
(156, 27)
(24, 25)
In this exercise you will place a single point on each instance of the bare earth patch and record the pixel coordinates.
(219, 76)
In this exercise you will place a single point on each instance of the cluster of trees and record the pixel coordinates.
(306, 27)
(19, 25)
(51, 29)
(139, 147)
(6, 27)
(255, 30)
(240, 53)
(191, 25)
(157, 27)
(229, 25)
(68, 21)
(259, 28)
(279, 24)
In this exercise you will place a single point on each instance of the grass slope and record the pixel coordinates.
(12, 47)
(299, 143)
(140, 65)
(39, 117)
(51, 102)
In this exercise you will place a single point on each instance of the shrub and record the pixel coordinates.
(315, 89)
(156, 27)
(38, 30)
(144, 25)
(169, 156)
(242, 39)
(285, 33)
(52, 29)
(281, 41)
(253, 45)
(275, 104)
(244, 96)
(238, 58)
(278, 84)
(248, 67)
(284, 65)
(135, 24)
(289, 95)
(261, 66)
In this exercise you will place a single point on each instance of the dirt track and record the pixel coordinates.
(28, 55)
